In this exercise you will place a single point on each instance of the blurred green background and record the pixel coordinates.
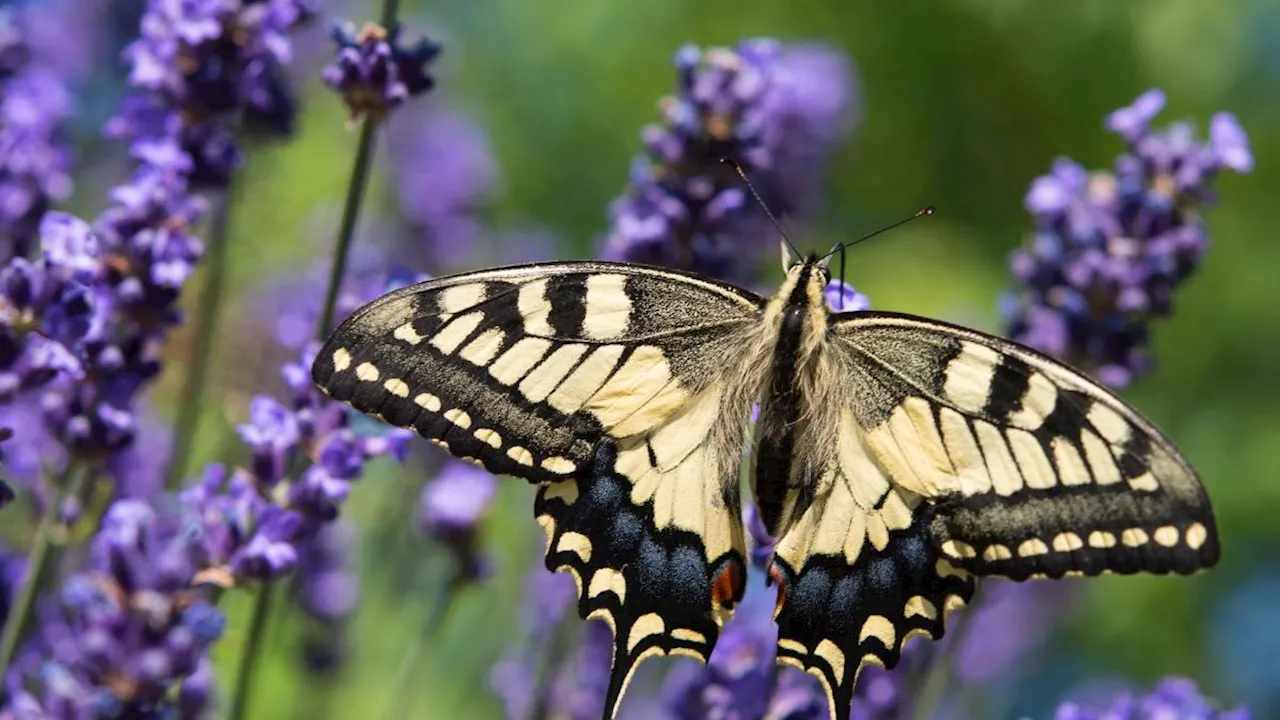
(963, 103)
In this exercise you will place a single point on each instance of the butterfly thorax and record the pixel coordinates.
(796, 323)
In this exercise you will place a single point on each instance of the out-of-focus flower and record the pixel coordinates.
(1171, 699)
(842, 297)
(444, 171)
(1008, 622)
(128, 630)
(774, 110)
(374, 72)
(1111, 247)
(35, 159)
(452, 505)
(328, 590)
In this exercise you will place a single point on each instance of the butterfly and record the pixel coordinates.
(896, 458)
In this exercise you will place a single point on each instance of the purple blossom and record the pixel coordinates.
(327, 589)
(1111, 247)
(50, 310)
(374, 72)
(443, 173)
(842, 297)
(452, 505)
(271, 433)
(1171, 698)
(1007, 624)
(195, 67)
(35, 158)
(774, 110)
(126, 631)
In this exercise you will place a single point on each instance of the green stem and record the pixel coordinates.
(37, 565)
(411, 664)
(390, 11)
(350, 214)
(933, 682)
(252, 651)
(191, 401)
(346, 234)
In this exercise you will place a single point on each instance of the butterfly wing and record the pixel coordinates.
(1034, 468)
(605, 384)
(964, 454)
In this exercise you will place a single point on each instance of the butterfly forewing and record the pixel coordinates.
(604, 384)
(1035, 469)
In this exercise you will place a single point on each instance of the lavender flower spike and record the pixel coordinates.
(774, 110)
(127, 631)
(1172, 698)
(35, 159)
(1111, 247)
(374, 72)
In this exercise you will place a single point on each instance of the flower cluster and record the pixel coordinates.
(327, 588)
(199, 68)
(773, 110)
(34, 155)
(1171, 698)
(374, 72)
(50, 310)
(125, 630)
(1111, 247)
(304, 455)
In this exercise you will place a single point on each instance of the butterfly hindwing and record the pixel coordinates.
(601, 383)
(665, 573)
(858, 572)
(1035, 469)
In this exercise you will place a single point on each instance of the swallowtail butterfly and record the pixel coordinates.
(894, 457)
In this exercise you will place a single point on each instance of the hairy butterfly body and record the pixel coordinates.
(895, 458)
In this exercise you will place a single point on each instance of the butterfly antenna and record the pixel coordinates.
(760, 201)
(926, 210)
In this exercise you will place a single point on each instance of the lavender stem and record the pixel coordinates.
(350, 214)
(206, 321)
(933, 682)
(37, 564)
(401, 698)
(252, 651)
(346, 233)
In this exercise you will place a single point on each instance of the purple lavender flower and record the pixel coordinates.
(1008, 623)
(1111, 247)
(125, 632)
(1172, 698)
(444, 172)
(374, 72)
(196, 66)
(842, 297)
(452, 505)
(34, 155)
(327, 590)
(773, 110)
(50, 310)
